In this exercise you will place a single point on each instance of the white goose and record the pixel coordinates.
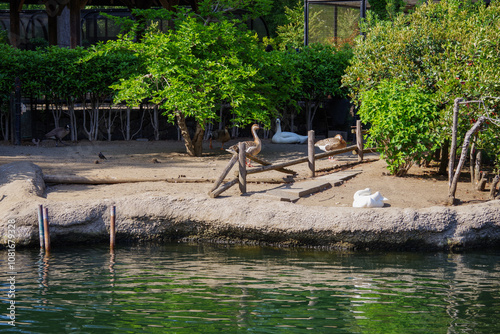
(252, 147)
(286, 137)
(365, 199)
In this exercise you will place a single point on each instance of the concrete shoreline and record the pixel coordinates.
(246, 220)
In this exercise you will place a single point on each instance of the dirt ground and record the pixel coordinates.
(148, 160)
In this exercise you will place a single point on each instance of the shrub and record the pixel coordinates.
(402, 122)
(450, 49)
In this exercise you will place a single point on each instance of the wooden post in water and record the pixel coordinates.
(359, 140)
(112, 230)
(46, 229)
(242, 158)
(310, 153)
(40, 225)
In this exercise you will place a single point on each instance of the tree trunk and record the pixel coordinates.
(198, 140)
(444, 157)
(181, 122)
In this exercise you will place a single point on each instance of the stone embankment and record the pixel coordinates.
(146, 217)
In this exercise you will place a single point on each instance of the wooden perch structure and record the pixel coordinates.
(301, 160)
(240, 176)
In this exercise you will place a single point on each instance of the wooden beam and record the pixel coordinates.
(52, 21)
(301, 160)
(15, 7)
(267, 163)
(74, 21)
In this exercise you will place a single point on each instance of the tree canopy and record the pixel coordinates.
(447, 50)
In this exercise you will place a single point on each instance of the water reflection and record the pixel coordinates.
(203, 288)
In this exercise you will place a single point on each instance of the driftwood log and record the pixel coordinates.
(72, 179)
(454, 180)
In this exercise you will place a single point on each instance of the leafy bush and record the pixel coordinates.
(402, 123)
(4, 37)
(450, 49)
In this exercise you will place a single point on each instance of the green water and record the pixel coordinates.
(181, 288)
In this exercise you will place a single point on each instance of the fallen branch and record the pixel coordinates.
(72, 179)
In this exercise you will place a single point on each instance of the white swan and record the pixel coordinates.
(286, 137)
(365, 199)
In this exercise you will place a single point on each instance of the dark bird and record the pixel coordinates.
(252, 147)
(331, 144)
(101, 156)
(221, 136)
(58, 134)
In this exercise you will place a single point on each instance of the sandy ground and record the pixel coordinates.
(168, 160)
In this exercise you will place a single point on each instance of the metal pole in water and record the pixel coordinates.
(40, 225)
(112, 227)
(46, 229)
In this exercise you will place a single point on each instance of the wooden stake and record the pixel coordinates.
(46, 229)
(226, 170)
(40, 225)
(112, 231)
(453, 149)
(310, 153)
(216, 192)
(493, 189)
(242, 159)
(454, 180)
(359, 140)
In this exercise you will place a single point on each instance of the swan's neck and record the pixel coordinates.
(278, 127)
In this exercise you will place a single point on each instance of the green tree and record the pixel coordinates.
(320, 68)
(290, 35)
(448, 49)
(188, 72)
(402, 123)
(387, 9)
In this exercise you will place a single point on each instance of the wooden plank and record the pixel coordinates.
(301, 189)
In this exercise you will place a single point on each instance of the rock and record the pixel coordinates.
(242, 220)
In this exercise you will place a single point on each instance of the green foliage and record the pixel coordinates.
(193, 69)
(216, 10)
(277, 16)
(291, 34)
(387, 9)
(9, 69)
(402, 123)
(4, 36)
(38, 42)
(450, 49)
(319, 69)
